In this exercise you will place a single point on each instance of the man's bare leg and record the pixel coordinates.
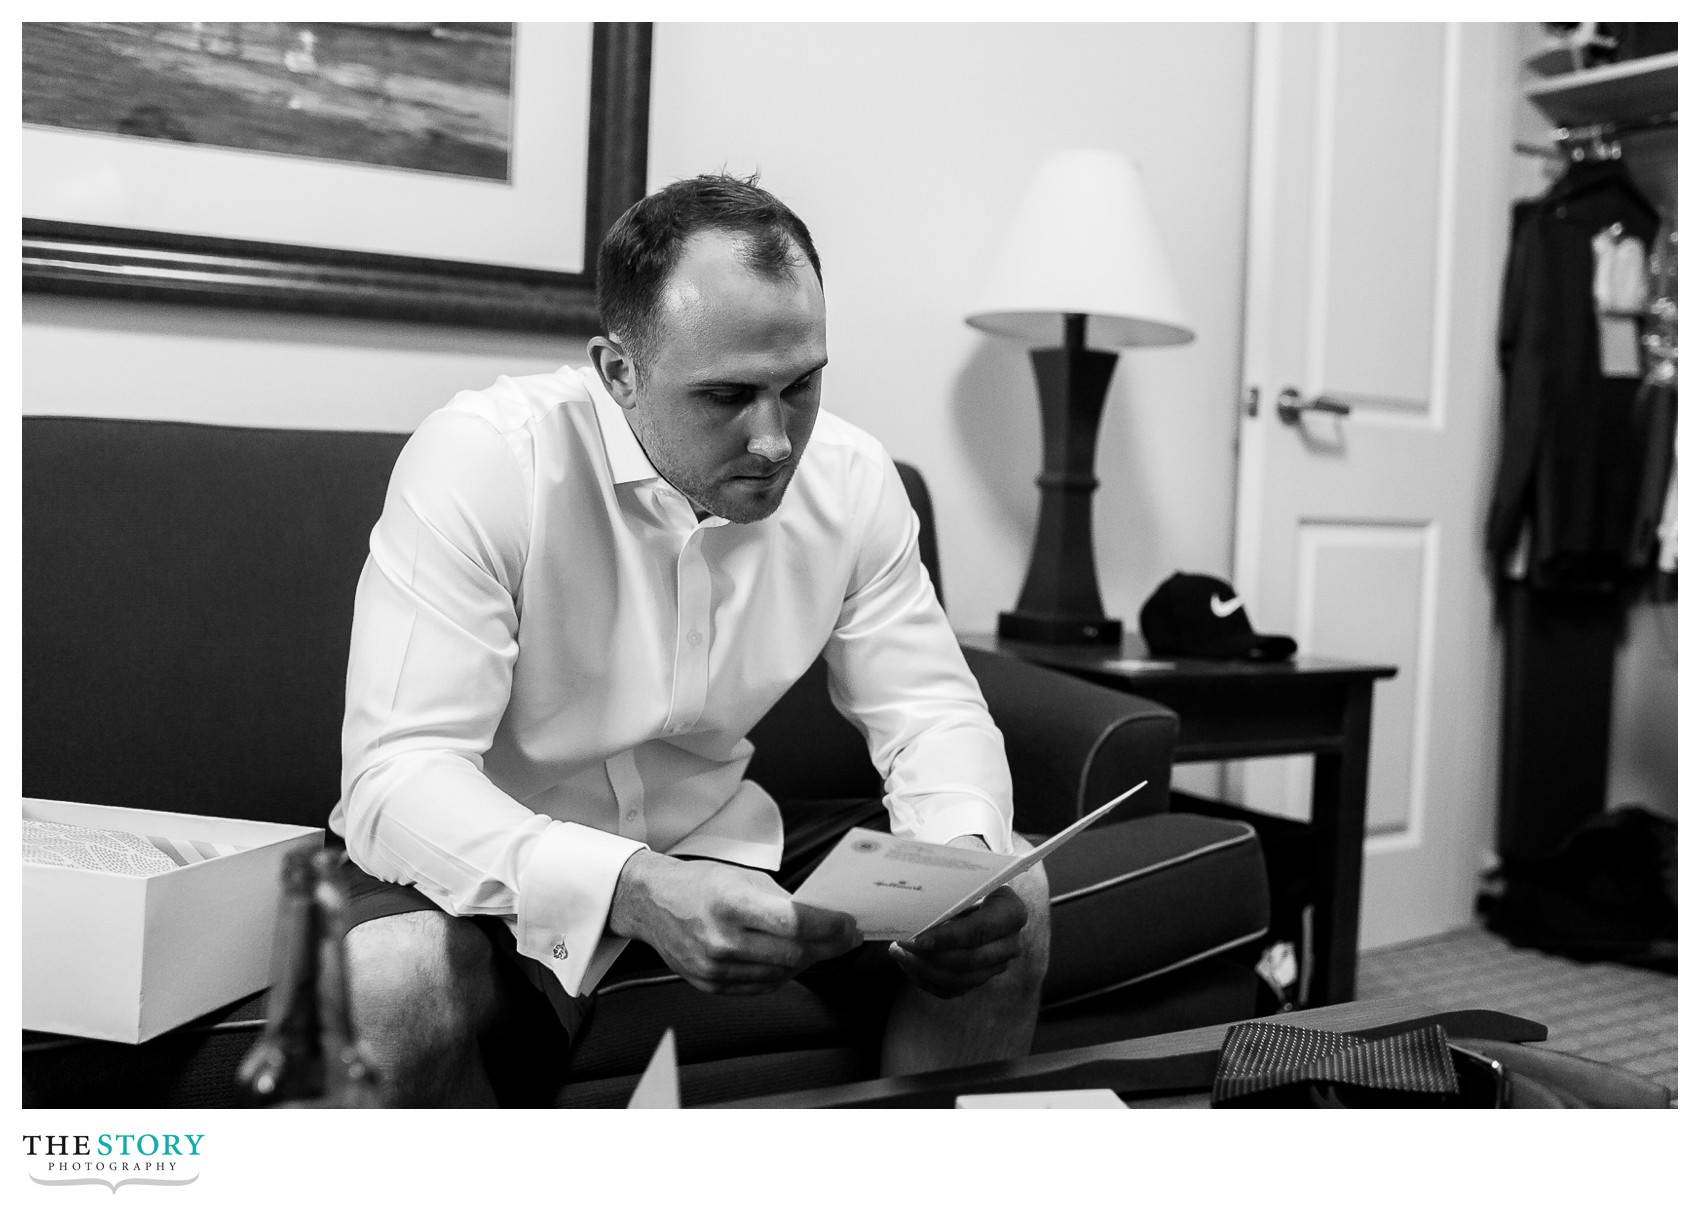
(993, 1021)
(422, 989)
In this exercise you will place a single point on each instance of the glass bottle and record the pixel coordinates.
(286, 1067)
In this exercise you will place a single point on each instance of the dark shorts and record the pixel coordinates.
(536, 1007)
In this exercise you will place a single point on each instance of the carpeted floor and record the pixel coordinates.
(1616, 1014)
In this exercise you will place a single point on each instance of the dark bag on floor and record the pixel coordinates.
(1608, 894)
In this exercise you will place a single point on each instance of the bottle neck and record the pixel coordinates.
(352, 1080)
(295, 1020)
(286, 1066)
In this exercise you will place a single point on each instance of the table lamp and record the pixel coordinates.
(1082, 247)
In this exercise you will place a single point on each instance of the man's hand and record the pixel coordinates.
(722, 928)
(971, 948)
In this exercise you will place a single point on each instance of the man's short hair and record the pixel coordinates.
(643, 246)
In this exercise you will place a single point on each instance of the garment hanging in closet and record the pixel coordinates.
(1575, 447)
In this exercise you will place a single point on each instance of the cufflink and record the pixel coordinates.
(560, 951)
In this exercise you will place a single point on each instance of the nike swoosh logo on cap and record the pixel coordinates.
(1222, 608)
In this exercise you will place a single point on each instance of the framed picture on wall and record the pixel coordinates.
(428, 171)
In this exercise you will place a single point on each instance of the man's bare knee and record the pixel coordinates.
(422, 991)
(420, 980)
(1035, 891)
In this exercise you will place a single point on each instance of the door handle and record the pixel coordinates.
(1290, 405)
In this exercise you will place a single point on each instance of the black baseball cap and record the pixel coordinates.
(1202, 616)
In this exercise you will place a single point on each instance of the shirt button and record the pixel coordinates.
(694, 638)
(560, 951)
(630, 815)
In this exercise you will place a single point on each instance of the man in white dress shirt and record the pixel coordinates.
(585, 589)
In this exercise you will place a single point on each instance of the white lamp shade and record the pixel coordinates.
(1083, 242)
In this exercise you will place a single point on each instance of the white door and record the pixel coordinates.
(1379, 217)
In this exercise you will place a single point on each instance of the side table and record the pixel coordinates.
(1232, 710)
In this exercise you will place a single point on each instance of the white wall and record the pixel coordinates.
(1644, 742)
(85, 357)
(904, 148)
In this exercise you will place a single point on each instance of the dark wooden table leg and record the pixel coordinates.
(1339, 794)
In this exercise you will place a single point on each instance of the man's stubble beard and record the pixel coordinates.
(710, 497)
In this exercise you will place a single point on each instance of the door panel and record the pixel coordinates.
(1365, 586)
(1374, 227)
(1381, 182)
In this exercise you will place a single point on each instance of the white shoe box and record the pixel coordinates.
(125, 957)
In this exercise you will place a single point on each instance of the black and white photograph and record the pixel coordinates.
(864, 562)
(436, 97)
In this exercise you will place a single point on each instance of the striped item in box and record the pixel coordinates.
(76, 847)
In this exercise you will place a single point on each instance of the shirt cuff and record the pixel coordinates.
(941, 818)
(565, 892)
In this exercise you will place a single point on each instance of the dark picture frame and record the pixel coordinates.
(123, 263)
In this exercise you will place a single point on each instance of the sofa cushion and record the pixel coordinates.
(186, 607)
(190, 1067)
(1134, 900)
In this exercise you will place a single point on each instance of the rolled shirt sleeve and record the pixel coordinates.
(431, 661)
(897, 671)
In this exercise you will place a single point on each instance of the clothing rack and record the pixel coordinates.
(1597, 140)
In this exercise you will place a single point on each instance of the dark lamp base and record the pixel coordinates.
(1049, 628)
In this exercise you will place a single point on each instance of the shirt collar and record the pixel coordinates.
(627, 463)
(626, 460)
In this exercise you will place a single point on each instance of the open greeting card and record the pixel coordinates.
(898, 888)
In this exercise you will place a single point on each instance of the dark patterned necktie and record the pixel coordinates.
(1260, 1059)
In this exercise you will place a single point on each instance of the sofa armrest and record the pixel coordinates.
(1073, 745)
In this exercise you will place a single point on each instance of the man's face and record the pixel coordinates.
(732, 388)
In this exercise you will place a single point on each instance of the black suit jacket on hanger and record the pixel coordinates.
(1570, 466)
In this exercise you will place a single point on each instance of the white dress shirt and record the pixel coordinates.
(554, 664)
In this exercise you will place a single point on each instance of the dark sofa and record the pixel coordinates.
(187, 591)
